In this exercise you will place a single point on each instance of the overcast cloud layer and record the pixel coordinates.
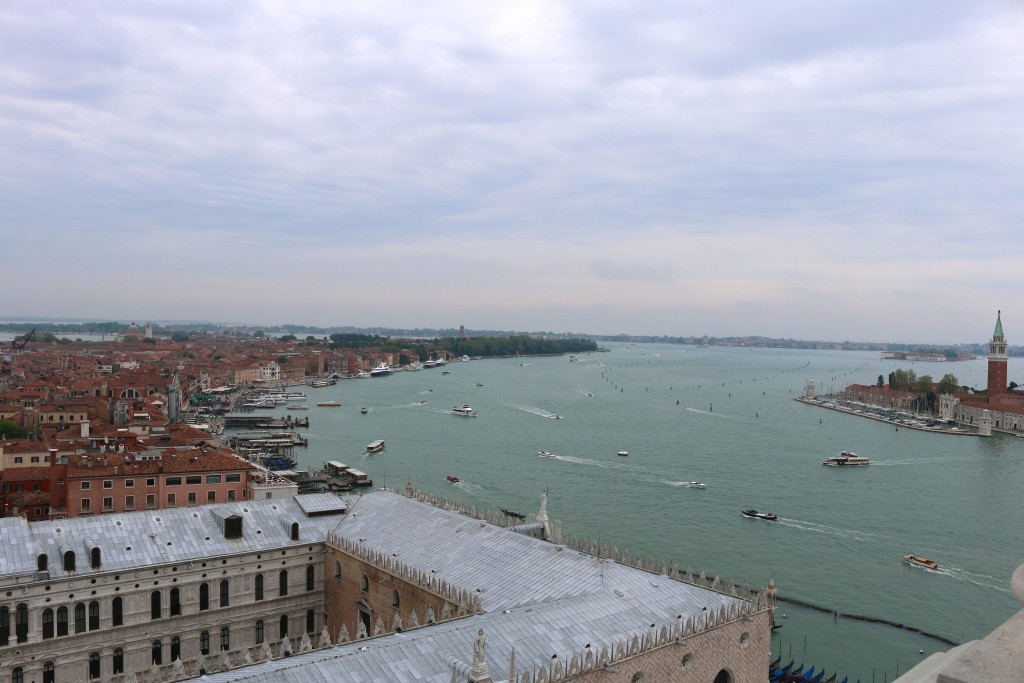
(819, 170)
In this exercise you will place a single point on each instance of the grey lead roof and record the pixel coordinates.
(544, 599)
(154, 537)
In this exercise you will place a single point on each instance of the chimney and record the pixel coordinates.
(85, 429)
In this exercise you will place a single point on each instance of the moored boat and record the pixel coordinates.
(382, 370)
(754, 514)
(464, 411)
(922, 562)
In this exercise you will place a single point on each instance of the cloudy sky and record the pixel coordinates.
(851, 169)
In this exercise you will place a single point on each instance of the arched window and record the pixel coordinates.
(310, 621)
(259, 586)
(21, 622)
(204, 596)
(117, 612)
(94, 557)
(154, 605)
(284, 625)
(17, 675)
(337, 570)
(118, 663)
(225, 638)
(175, 649)
(42, 563)
(723, 677)
(80, 618)
(310, 578)
(282, 582)
(5, 625)
(47, 623)
(225, 592)
(204, 642)
(295, 531)
(364, 583)
(175, 603)
(396, 599)
(157, 653)
(49, 673)
(69, 561)
(94, 616)
(259, 631)
(62, 621)
(94, 665)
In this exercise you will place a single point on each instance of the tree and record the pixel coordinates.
(131, 339)
(923, 384)
(948, 384)
(179, 337)
(881, 381)
(12, 431)
(288, 338)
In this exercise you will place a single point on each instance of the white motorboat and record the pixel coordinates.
(464, 411)
(363, 374)
(846, 459)
(382, 370)
(545, 454)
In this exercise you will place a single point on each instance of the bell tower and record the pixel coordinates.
(997, 360)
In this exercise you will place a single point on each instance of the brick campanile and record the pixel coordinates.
(997, 360)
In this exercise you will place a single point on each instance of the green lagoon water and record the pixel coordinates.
(840, 532)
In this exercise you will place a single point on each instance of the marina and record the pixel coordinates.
(723, 417)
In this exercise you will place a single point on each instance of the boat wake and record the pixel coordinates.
(826, 529)
(913, 461)
(539, 412)
(983, 580)
(682, 484)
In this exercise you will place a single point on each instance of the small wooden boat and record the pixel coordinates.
(452, 478)
(754, 514)
(922, 562)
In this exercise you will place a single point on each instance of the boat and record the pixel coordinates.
(922, 562)
(692, 484)
(545, 454)
(363, 374)
(375, 446)
(382, 370)
(452, 478)
(510, 513)
(364, 410)
(329, 404)
(623, 453)
(556, 416)
(429, 363)
(464, 411)
(297, 407)
(758, 515)
(573, 359)
(446, 372)
(846, 459)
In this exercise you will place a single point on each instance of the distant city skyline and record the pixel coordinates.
(822, 171)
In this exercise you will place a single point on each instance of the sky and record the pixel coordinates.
(842, 170)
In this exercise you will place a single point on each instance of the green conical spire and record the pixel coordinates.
(999, 325)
